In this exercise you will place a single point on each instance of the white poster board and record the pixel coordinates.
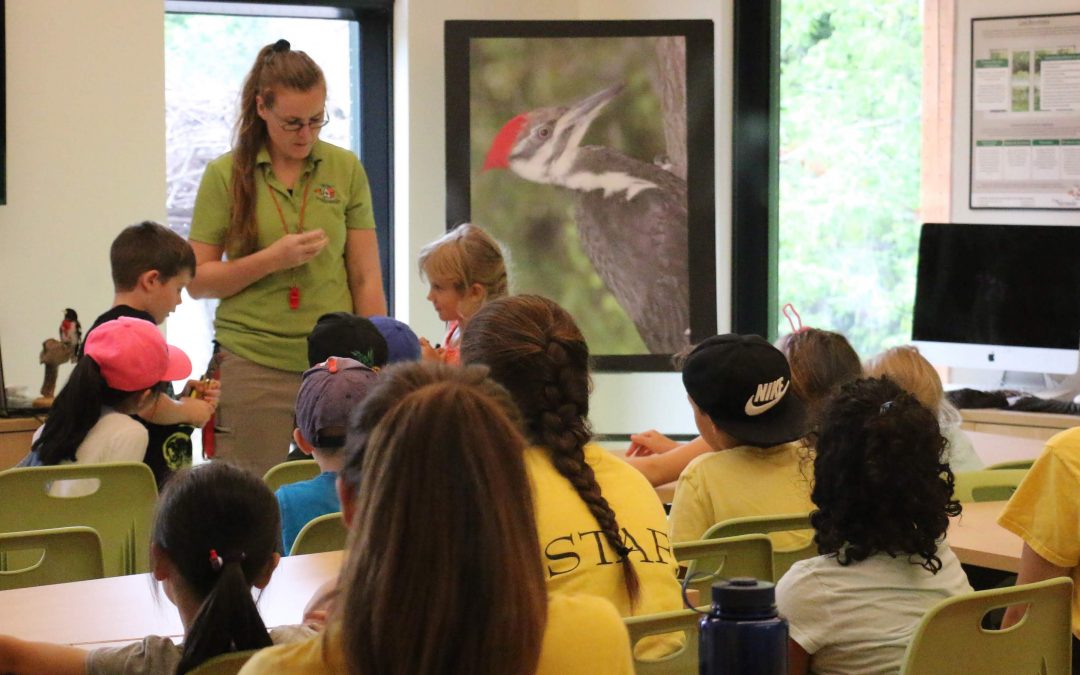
(1025, 112)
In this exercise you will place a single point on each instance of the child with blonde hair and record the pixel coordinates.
(908, 368)
(465, 269)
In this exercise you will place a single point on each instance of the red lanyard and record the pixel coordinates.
(294, 290)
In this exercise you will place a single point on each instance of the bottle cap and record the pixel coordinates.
(744, 596)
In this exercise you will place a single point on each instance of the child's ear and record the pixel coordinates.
(149, 279)
(302, 443)
(162, 566)
(476, 292)
(347, 499)
(263, 579)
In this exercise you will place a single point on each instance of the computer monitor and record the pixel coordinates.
(999, 297)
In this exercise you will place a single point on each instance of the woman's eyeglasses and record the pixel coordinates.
(296, 125)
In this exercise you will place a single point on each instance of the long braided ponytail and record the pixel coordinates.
(276, 67)
(535, 350)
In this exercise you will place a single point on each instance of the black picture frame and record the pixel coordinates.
(462, 38)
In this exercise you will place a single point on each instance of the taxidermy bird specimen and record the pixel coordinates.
(631, 215)
(55, 352)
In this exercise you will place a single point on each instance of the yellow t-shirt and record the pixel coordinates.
(1045, 509)
(566, 648)
(575, 554)
(742, 482)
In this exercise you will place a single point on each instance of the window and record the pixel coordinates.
(849, 166)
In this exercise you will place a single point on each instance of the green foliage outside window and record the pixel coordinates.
(850, 139)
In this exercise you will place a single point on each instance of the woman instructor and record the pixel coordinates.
(283, 232)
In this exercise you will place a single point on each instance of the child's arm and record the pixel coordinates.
(650, 442)
(664, 468)
(188, 409)
(1033, 567)
(20, 657)
(797, 658)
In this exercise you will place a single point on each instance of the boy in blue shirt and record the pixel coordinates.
(328, 394)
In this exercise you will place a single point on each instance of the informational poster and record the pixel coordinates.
(1025, 112)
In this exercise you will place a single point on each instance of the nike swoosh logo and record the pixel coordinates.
(751, 409)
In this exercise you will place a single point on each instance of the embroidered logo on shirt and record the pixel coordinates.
(767, 395)
(327, 193)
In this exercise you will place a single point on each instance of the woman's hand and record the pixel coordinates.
(295, 249)
(650, 442)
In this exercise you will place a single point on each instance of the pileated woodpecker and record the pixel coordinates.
(631, 215)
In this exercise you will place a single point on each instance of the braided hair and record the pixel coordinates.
(535, 350)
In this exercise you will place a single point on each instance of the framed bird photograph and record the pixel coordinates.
(586, 149)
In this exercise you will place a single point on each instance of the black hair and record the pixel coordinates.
(881, 483)
(76, 410)
(148, 246)
(223, 512)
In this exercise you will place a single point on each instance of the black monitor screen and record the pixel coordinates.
(1015, 285)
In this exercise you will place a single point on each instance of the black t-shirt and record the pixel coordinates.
(169, 447)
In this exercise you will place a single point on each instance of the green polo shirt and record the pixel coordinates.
(257, 323)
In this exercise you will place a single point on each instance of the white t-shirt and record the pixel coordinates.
(115, 437)
(860, 618)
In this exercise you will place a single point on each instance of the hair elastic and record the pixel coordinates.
(790, 307)
(886, 407)
(281, 46)
(217, 561)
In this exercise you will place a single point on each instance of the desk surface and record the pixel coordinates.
(996, 448)
(977, 539)
(122, 609)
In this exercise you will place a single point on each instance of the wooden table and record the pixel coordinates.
(997, 448)
(977, 539)
(15, 435)
(124, 609)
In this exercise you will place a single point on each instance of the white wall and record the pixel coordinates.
(966, 10)
(622, 403)
(85, 157)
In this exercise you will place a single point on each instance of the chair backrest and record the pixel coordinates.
(121, 510)
(290, 472)
(709, 560)
(325, 533)
(782, 559)
(950, 638)
(1016, 464)
(988, 485)
(53, 556)
(224, 664)
(682, 662)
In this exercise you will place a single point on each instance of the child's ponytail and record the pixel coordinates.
(227, 620)
(219, 528)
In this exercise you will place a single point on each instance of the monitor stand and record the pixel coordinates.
(1052, 387)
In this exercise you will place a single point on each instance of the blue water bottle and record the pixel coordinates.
(742, 633)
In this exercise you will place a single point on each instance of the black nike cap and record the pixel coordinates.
(743, 384)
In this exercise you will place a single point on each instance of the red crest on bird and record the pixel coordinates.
(498, 156)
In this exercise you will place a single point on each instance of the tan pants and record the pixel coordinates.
(254, 421)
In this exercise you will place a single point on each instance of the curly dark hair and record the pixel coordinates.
(881, 484)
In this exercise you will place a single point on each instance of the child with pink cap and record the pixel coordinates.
(123, 365)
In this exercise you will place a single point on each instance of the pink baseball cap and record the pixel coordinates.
(133, 356)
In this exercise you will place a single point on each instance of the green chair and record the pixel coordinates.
(988, 485)
(54, 556)
(290, 472)
(950, 639)
(748, 555)
(782, 560)
(682, 662)
(1018, 464)
(224, 664)
(325, 533)
(121, 510)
